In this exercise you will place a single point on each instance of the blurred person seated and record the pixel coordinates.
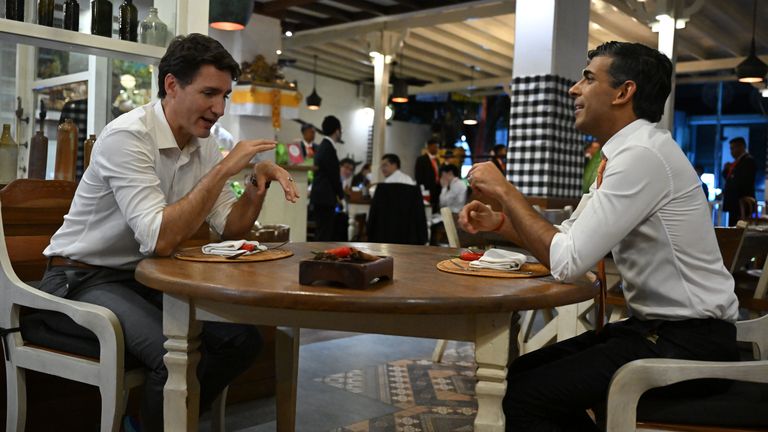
(346, 170)
(363, 177)
(390, 168)
(454, 191)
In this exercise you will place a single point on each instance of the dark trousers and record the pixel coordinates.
(226, 350)
(550, 389)
(324, 222)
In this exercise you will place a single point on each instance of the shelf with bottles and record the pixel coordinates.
(151, 30)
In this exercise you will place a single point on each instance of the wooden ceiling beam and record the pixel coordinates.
(329, 11)
(464, 31)
(324, 67)
(363, 6)
(423, 18)
(445, 39)
(457, 56)
(276, 6)
(406, 69)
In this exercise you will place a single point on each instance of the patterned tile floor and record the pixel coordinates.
(373, 383)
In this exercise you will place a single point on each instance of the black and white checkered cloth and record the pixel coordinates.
(77, 110)
(544, 157)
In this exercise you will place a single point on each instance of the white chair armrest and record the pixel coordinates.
(98, 319)
(754, 331)
(636, 377)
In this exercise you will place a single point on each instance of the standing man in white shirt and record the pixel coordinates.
(390, 168)
(156, 175)
(650, 212)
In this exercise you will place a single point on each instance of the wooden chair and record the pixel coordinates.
(730, 411)
(729, 241)
(31, 211)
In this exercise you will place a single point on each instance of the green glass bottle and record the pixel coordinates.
(14, 10)
(129, 21)
(9, 156)
(101, 18)
(72, 15)
(45, 12)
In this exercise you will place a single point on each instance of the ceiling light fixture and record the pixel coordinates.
(752, 69)
(470, 118)
(400, 85)
(230, 15)
(314, 100)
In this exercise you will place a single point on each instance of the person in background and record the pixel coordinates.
(390, 168)
(346, 171)
(363, 177)
(427, 170)
(594, 156)
(454, 192)
(699, 172)
(500, 157)
(308, 145)
(648, 211)
(739, 179)
(156, 175)
(326, 192)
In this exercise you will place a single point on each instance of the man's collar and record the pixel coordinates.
(619, 138)
(166, 139)
(330, 139)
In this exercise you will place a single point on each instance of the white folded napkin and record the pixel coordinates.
(232, 247)
(499, 259)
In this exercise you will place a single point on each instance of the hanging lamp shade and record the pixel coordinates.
(752, 69)
(470, 118)
(314, 100)
(229, 14)
(400, 91)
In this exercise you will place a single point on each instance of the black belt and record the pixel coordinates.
(59, 261)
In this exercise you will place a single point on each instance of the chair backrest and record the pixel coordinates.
(747, 208)
(729, 240)
(449, 222)
(397, 215)
(32, 212)
(753, 251)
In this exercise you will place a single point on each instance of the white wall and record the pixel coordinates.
(407, 140)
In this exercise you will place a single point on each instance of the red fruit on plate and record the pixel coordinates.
(470, 256)
(340, 252)
(248, 247)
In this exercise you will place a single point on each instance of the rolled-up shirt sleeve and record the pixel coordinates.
(128, 167)
(630, 192)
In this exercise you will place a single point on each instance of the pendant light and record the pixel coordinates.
(470, 118)
(752, 69)
(314, 100)
(400, 86)
(230, 14)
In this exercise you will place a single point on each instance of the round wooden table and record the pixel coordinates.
(420, 301)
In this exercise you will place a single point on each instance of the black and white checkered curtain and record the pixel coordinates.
(545, 150)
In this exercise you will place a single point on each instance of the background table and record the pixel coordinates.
(421, 301)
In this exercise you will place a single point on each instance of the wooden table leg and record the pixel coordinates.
(181, 395)
(493, 333)
(286, 370)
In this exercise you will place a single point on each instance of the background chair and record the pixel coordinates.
(740, 408)
(397, 215)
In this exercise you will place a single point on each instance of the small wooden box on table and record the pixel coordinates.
(354, 275)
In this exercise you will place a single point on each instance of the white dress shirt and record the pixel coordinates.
(136, 170)
(454, 195)
(650, 212)
(399, 177)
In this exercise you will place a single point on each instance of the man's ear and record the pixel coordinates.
(626, 92)
(171, 84)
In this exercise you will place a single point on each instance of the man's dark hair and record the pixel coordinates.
(647, 67)
(739, 141)
(392, 158)
(306, 126)
(433, 141)
(498, 147)
(347, 160)
(187, 54)
(330, 125)
(451, 168)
